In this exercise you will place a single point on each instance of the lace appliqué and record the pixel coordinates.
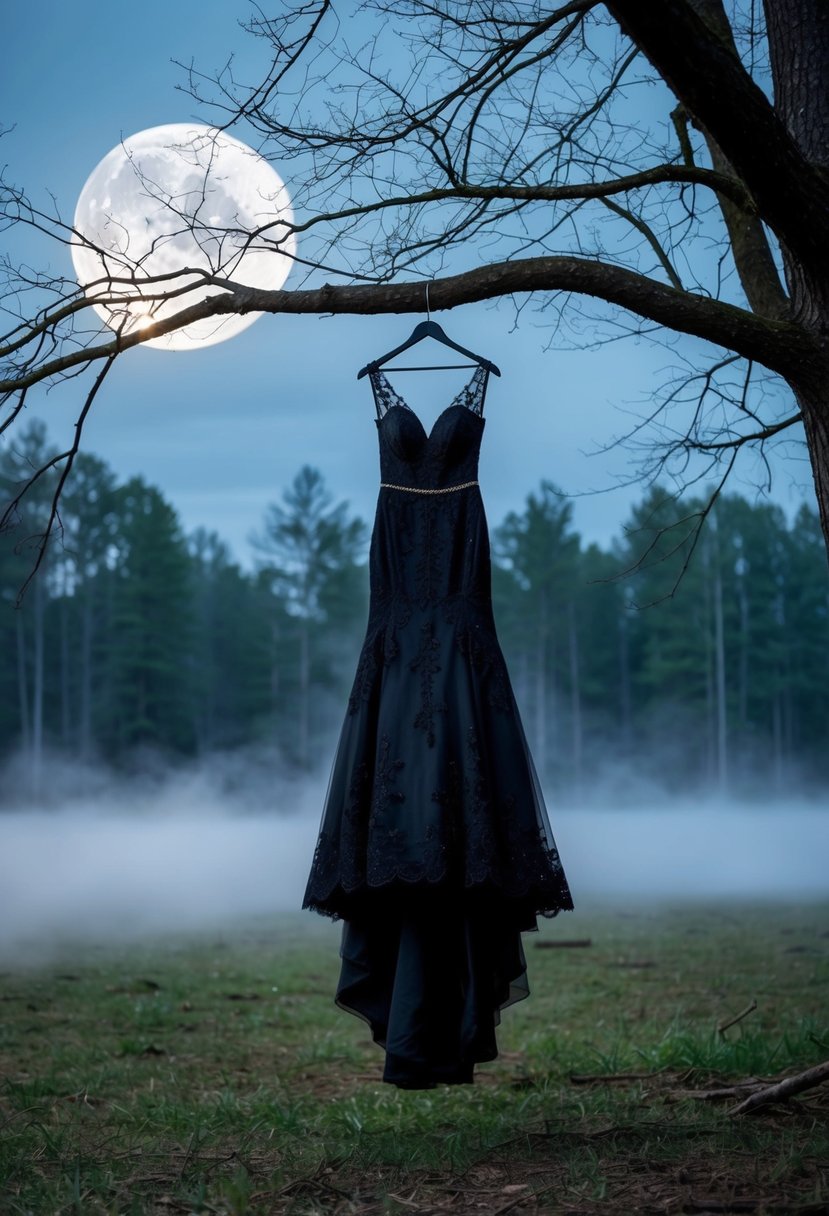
(479, 646)
(437, 525)
(428, 666)
(389, 851)
(472, 395)
(385, 397)
(379, 649)
(476, 840)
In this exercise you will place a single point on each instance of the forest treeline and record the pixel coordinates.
(134, 635)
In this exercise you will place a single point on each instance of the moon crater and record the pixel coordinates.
(174, 198)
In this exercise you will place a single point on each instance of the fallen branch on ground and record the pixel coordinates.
(588, 1078)
(573, 942)
(784, 1089)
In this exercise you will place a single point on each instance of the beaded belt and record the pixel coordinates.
(388, 485)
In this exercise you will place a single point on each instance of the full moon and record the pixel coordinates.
(174, 198)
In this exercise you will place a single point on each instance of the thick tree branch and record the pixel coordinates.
(749, 242)
(791, 193)
(778, 345)
(749, 247)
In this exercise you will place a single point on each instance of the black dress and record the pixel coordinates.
(435, 847)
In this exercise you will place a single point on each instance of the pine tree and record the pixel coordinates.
(147, 697)
(541, 553)
(316, 547)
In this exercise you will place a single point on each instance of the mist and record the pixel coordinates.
(212, 847)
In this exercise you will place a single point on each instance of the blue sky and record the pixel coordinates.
(223, 430)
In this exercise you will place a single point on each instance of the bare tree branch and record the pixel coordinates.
(776, 344)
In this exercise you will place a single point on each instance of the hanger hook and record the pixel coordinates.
(428, 312)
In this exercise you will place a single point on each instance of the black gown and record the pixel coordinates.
(435, 847)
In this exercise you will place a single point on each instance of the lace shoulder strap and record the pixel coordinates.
(384, 395)
(472, 394)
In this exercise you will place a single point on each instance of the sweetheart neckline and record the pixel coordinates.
(402, 404)
(453, 405)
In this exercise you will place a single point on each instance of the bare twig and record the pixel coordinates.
(784, 1089)
(723, 1026)
(608, 1078)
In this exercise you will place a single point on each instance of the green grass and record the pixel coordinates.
(217, 1076)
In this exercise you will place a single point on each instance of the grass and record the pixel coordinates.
(217, 1076)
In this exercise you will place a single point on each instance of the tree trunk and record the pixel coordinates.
(798, 34)
(814, 405)
(710, 688)
(719, 651)
(65, 662)
(23, 685)
(625, 701)
(541, 700)
(721, 750)
(85, 742)
(304, 694)
(777, 741)
(37, 689)
(742, 690)
(575, 700)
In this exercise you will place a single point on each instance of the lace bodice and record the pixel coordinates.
(471, 396)
(445, 456)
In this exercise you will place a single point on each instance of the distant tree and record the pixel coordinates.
(230, 680)
(598, 605)
(90, 527)
(25, 634)
(669, 635)
(309, 550)
(541, 552)
(148, 681)
(808, 632)
(134, 636)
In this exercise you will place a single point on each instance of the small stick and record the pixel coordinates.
(586, 1078)
(784, 1089)
(723, 1026)
(572, 942)
(724, 1091)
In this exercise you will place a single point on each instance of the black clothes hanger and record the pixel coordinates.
(428, 329)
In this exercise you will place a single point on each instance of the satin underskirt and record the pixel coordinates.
(430, 970)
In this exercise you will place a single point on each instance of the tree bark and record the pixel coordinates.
(798, 34)
(814, 406)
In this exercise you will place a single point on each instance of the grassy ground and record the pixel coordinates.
(218, 1076)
